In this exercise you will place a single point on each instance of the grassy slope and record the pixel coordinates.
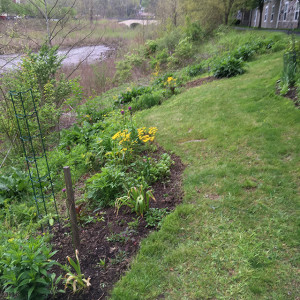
(235, 236)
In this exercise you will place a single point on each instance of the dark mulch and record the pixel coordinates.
(200, 81)
(291, 94)
(117, 255)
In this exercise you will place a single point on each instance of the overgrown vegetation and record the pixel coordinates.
(117, 149)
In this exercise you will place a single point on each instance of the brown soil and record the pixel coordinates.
(200, 81)
(116, 254)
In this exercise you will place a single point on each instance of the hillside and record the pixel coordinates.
(235, 236)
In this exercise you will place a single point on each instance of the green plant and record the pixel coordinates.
(134, 224)
(54, 285)
(150, 48)
(122, 237)
(132, 94)
(102, 263)
(195, 70)
(183, 52)
(104, 187)
(120, 256)
(228, 67)
(161, 169)
(161, 58)
(147, 100)
(290, 71)
(137, 199)
(38, 72)
(154, 216)
(24, 266)
(76, 281)
(14, 184)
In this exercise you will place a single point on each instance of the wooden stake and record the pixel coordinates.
(71, 208)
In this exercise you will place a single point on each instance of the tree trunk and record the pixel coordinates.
(261, 8)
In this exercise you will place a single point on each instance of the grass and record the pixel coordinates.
(236, 235)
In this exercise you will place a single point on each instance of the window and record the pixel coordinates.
(272, 13)
(297, 10)
(266, 13)
(286, 7)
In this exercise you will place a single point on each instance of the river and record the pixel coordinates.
(90, 54)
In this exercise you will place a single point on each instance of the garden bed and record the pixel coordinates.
(108, 245)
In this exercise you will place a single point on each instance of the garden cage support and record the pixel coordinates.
(33, 145)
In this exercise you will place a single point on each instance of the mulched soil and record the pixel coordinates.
(200, 81)
(291, 94)
(117, 255)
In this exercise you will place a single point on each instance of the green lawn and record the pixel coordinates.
(236, 234)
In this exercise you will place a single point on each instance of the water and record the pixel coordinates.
(90, 54)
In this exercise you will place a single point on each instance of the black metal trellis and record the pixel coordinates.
(34, 150)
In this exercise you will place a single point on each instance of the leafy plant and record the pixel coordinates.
(38, 72)
(154, 216)
(14, 185)
(228, 67)
(25, 266)
(195, 70)
(150, 48)
(147, 100)
(76, 280)
(244, 52)
(104, 187)
(121, 237)
(120, 256)
(137, 199)
(132, 94)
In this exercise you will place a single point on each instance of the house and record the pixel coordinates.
(277, 14)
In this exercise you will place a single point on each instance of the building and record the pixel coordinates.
(277, 14)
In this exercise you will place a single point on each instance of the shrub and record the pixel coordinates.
(147, 101)
(25, 266)
(194, 31)
(38, 72)
(133, 93)
(161, 58)
(244, 52)
(195, 70)
(170, 40)
(150, 48)
(103, 188)
(183, 51)
(228, 67)
(14, 185)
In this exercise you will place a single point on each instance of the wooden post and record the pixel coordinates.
(71, 208)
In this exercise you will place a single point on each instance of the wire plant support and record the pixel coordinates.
(33, 144)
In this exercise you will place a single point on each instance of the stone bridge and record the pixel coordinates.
(134, 23)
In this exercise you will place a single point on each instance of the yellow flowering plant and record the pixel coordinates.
(171, 83)
(127, 140)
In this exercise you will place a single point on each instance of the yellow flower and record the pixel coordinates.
(11, 240)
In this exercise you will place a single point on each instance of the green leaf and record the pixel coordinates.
(30, 292)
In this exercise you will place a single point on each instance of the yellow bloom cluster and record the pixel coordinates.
(171, 82)
(147, 135)
(123, 136)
